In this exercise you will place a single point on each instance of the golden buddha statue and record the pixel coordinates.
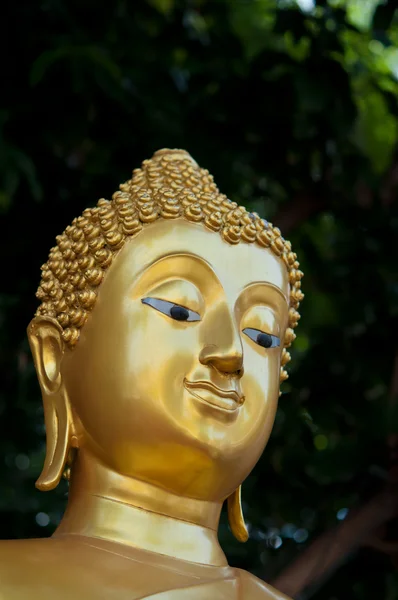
(160, 344)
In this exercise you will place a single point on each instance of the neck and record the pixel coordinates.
(104, 504)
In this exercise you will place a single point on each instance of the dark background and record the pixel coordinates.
(293, 108)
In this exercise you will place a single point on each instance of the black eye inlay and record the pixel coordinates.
(171, 309)
(266, 340)
(179, 313)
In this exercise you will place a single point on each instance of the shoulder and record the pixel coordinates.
(24, 552)
(15, 553)
(21, 565)
(253, 588)
(38, 568)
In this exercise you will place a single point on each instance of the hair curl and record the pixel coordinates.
(170, 185)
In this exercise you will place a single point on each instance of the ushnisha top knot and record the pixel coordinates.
(170, 185)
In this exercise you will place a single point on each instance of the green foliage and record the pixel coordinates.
(294, 110)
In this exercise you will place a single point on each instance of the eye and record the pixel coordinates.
(172, 310)
(266, 340)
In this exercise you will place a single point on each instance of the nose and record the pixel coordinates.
(223, 349)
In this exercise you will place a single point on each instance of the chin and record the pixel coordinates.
(227, 456)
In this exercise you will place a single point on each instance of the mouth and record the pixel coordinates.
(228, 400)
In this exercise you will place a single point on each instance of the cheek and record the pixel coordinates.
(134, 378)
(160, 348)
(157, 354)
(260, 385)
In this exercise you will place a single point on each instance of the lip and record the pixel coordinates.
(228, 400)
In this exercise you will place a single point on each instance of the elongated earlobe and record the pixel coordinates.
(47, 346)
(57, 447)
(235, 516)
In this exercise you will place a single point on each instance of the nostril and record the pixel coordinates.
(226, 362)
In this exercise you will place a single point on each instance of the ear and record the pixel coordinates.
(47, 346)
(235, 516)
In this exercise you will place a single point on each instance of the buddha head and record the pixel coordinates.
(161, 339)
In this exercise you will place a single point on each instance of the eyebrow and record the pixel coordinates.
(180, 255)
(268, 285)
(211, 271)
(183, 255)
(188, 276)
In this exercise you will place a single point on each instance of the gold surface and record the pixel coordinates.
(158, 392)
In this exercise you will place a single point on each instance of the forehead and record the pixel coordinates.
(235, 266)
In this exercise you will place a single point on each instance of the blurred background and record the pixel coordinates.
(293, 106)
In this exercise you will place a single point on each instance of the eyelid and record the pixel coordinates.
(262, 318)
(164, 307)
(178, 291)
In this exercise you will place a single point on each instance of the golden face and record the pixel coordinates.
(175, 378)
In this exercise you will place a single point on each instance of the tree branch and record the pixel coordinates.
(327, 552)
(384, 546)
(388, 192)
(303, 206)
(307, 203)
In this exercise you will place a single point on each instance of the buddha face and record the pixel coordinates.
(175, 378)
